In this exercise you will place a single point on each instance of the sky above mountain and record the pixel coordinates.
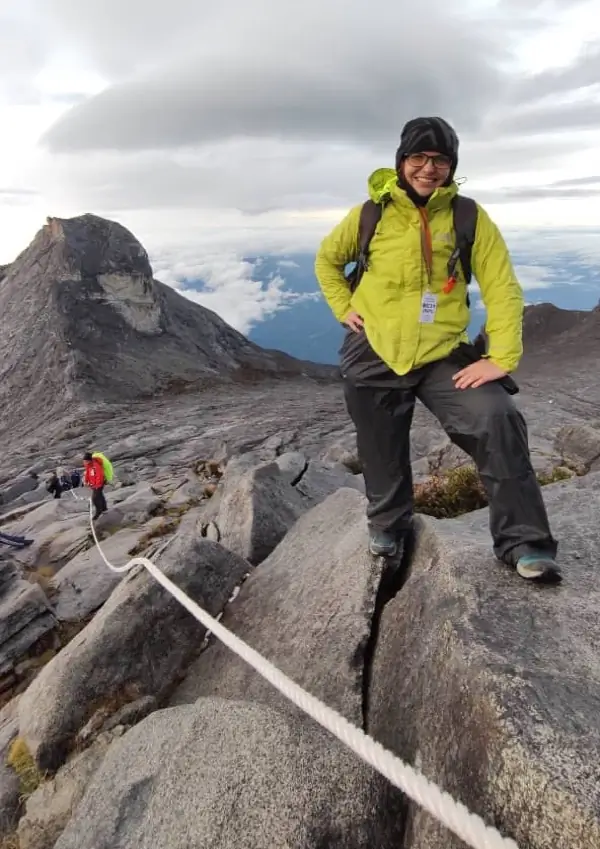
(219, 131)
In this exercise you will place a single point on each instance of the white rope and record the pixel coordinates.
(453, 814)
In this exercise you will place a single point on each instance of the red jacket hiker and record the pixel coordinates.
(95, 479)
(94, 474)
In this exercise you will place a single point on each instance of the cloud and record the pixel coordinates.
(17, 197)
(577, 187)
(581, 72)
(310, 75)
(244, 106)
(246, 127)
(534, 276)
(298, 77)
(227, 284)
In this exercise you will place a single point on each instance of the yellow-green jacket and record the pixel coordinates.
(389, 295)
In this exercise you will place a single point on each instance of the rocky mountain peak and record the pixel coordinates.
(95, 247)
(84, 321)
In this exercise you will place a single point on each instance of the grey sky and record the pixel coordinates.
(221, 130)
(327, 71)
(195, 73)
(260, 106)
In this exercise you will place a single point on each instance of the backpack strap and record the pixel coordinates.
(370, 215)
(464, 212)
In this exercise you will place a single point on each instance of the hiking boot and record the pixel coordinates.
(382, 543)
(541, 568)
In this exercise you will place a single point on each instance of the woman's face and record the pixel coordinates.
(427, 171)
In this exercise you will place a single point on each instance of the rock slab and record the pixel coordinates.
(222, 774)
(308, 609)
(492, 685)
(138, 643)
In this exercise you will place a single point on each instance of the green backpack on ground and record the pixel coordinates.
(106, 465)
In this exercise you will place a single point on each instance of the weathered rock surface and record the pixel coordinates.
(140, 642)
(323, 479)
(133, 510)
(85, 583)
(259, 502)
(49, 808)
(493, 685)
(257, 508)
(579, 445)
(292, 465)
(25, 615)
(10, 791)
(17, 488)
(309, 608)
(222, 774)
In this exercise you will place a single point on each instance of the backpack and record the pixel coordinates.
(106, 465)
(464, 213)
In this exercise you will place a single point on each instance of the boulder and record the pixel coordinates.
(12, 491)
(25, 615)
(309, 609)
(222, 774)
(57, 544)
(292, 465)
(134, 510)
(256, 510)
(10, 790)
(138, 644)
(321, 479)
(579, 445)
(492, 685)
(49, 808)
(51, 514)
(84, 584)
(344, 451)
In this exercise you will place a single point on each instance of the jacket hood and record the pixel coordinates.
(383, 183)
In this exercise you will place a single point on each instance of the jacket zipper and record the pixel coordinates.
(426, 243)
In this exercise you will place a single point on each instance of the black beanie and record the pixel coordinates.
(421, 134)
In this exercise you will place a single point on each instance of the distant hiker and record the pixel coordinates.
(14, 541)
(75, 477)
(54, 486)
(95, 478)
(64, 479)
(407, 312)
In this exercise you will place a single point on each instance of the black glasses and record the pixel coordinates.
(420, 159)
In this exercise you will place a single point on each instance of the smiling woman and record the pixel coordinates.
(407, 340)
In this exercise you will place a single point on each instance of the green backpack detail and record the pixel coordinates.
(106, 465)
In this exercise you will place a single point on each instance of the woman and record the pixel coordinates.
(407, 339)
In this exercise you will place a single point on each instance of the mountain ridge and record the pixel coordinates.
(84, 321)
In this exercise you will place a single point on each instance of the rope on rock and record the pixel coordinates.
(453, 814)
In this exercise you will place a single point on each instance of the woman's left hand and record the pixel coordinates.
(483, 371)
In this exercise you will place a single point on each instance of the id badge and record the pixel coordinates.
(428, 308)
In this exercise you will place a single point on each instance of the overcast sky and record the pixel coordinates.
(215, 130)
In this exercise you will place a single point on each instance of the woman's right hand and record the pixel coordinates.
(354, 322)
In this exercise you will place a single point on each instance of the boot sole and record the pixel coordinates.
(386, 552)
(540, 574)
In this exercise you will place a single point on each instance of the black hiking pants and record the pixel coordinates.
(484, 422)
(99, 501)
